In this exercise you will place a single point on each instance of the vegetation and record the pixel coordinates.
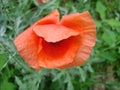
(100, 72)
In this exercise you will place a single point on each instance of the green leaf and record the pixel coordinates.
(98, 24)
(2, 56)
(70, 86)
(89, 67)
(119, 50)
(2, 30)
(18, 81)
(109, 37)
(82, 73)
(2, 60)
(101, 9)
(58, 75)
(109, 56)
(7, 85)
(69, 82)
(113, 22)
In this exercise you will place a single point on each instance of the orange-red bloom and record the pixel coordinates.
(42, 1)
(54, 43)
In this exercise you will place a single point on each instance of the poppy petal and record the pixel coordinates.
(87, 30)
(52, 18)
(54, 33)
(58, 54)
(51, 43)
(27, 46)
(82, 55)
(88, 41)
(78, 21)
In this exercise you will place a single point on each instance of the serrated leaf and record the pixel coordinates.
(69, 82)
(18, 81)
(82, 74)
(70, 86)
(28, 85)
(2, 30)
(58, 76)
(89, 68)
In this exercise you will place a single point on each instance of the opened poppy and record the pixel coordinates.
(54, 43)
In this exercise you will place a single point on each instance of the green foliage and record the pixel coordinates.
(101, 9)
(7, 85)
(109, 37)
(102, 70)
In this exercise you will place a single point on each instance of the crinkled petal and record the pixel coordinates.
(79, 21)
(88, 41)
(54, 33)
(52, 18)
(27, 46)
(89, 38)
(87, 30)
(82, 55)
(58, 54)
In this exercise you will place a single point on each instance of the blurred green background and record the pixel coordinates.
(100, 72)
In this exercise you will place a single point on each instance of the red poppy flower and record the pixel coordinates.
(42, 1)
(51, 43)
